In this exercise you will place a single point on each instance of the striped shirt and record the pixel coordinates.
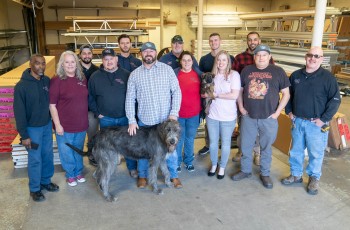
(157, 93)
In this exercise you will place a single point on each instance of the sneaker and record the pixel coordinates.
(92, 161)
(133, 173)
(37, 196)
(80, 179)
(266, 181)
(71, 182)
(291, 180)
(240, 175)
(312, 187)
(203, 151)
(190, 168)
(178, 169)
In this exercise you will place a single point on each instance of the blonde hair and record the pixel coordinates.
(215, 69)
(60, 70)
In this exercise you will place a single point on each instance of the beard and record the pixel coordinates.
(148, 59)
(86, 60)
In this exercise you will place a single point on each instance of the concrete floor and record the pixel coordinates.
(204, 202)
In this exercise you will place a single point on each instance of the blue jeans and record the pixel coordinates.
(71, 161)
(220, 129)
(40, 161)
(106, 122)
(267, 131)
(189, 128)
(307, 135)
(142, 166)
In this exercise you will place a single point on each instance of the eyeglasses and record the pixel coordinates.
(313, 55)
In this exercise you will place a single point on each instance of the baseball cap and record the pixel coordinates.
(262, 47)
(85, 46)
(148, 45)
(177, 38)
(108, 51)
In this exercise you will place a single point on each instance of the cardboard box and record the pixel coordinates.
(284, 137)
(339, 134)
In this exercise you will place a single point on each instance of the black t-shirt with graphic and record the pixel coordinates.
(261, 89)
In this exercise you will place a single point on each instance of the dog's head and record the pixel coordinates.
(207, 82)
(169, 131)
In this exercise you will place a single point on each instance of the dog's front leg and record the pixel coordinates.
(166, 173)
(152, 176)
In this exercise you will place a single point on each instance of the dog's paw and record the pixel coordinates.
(158, 191)
(111, 198)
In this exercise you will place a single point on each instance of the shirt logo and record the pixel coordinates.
(46, 88)
(120, 81)
(297, 81)
(82, 84)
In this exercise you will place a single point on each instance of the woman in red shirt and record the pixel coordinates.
(189, 81)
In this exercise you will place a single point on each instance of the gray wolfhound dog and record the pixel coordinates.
(153, 143)
(207, 86)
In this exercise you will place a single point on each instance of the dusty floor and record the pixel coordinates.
(204, 202)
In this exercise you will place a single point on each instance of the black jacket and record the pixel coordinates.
(107, 92)
(31, 103)
(313, 95)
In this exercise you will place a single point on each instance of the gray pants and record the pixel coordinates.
(256, 148)
(93, 126)
(267, 131)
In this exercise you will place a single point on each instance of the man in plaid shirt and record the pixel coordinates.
(156, 89)
(242, 60)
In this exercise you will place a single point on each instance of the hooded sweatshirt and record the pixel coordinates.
(31, 103)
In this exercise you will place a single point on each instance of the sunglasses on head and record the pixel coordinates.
(313, 55)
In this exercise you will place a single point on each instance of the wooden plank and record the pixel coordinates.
(12, 77)
(117, 50)
(40, 28)
(102, 8)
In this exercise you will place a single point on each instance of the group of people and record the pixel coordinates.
(125, 91)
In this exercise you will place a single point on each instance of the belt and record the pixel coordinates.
(307, 119)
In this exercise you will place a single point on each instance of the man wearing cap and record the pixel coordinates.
(107, 92)
(260, 105)
(242, 60)
(206, 64)
(172, 58)
(156, 89)
(89, 68)
(315, 98)
(125, 59)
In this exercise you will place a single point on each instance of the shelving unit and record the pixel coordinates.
(7, 52)
(291, 35)
(104, 29)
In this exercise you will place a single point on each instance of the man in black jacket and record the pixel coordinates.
(107, 92)
(314, 100)
(33, 122)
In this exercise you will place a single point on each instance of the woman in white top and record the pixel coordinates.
(221, 118)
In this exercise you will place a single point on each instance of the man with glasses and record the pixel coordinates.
(260, 105)
(315, 99)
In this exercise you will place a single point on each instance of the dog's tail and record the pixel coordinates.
(79, 151)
